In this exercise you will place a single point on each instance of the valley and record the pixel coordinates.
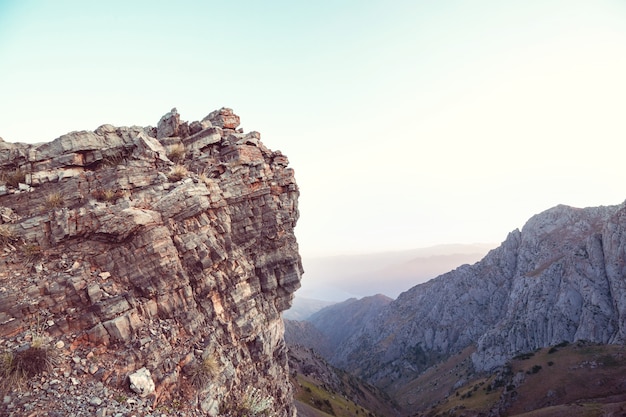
(534, 328)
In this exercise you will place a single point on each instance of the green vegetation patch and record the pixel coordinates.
(330, 403)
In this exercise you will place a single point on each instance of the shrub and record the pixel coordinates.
(176, 153)
(7, 234)
(202, 373)
(254, 403)
(609, 360)
(203, 177)
(17, 367)
(11, 378)
(113, 160)
(524, 356)
(105, 194)
(32, 252)
(177, 173)
(13, 178)
(53, 200)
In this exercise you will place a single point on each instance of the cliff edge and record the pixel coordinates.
(167, 254)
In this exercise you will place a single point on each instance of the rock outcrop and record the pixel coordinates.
(561, 278)
(169, 249)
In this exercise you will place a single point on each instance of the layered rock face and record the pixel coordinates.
(171, 247)
(561, 278)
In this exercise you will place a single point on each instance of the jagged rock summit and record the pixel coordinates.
(560, 279)
(168, 249)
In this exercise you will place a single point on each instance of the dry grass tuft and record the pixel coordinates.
(202, 373)
(17, 367)
(203, 177)
(113, 160)
(176, 153)
(177, 173)
(13, 178)
(7, 234)
(106, 194)
(53, 200)
(32, 252)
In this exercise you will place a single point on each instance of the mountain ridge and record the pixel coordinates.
(560, 279)
(466, 306)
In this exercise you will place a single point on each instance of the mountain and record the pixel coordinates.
(304, 333)
(150, 263)
(561, 278)
(322, 390)
(566, 380)
(338, 278)
(338, 321)
(302, 308)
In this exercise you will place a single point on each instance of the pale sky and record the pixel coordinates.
(408, 123)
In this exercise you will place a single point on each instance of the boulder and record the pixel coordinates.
(141, 382)
(224, 118)
(169, 124)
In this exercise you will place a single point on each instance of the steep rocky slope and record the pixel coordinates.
(167, 248)
(561, 278)
(304, 333)
(322, 390)
(338, 321)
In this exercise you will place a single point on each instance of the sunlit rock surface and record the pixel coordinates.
(561, 278)
(162, 246)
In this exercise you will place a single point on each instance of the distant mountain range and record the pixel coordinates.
(337, 278)
(560, 280)
(302, 308)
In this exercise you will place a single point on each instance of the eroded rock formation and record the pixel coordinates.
(561, 278)
(165, 248)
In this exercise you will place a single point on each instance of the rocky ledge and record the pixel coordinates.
(150, 265)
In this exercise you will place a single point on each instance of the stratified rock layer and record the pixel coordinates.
(169, 266)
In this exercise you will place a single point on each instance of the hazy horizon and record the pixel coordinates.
(339, 277)
(409, 124)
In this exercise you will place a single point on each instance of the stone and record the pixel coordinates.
(150, 148)
(168, 125)
(143, 269)
(95, 401)
(118, 328)
(94, 292)
(224, 118)
(93, 368)
(141, 382)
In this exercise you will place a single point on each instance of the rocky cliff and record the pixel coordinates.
(168, 248)
(561, 278)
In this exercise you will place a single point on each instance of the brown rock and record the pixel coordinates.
(224, 118)
(154, 269)
(169, 125)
